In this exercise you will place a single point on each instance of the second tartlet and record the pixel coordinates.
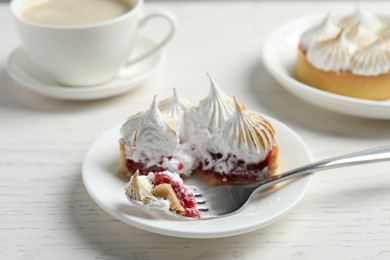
(349, 56)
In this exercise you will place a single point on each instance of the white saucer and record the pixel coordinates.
(101, 179)
(279, 57)
(21, 69)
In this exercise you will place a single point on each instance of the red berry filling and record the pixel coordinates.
(184, 194)
(241, 173)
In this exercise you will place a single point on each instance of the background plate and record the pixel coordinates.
(279, 56)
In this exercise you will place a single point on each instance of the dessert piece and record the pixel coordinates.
(350, 57)
(164, 190)
(218, 140)
(242, 151)
(147, 139)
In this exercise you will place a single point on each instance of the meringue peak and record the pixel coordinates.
(216, 108)
(359, 37)
(248, 133)
(323, 31)
(239, 107)
(175, 106)
(372, 60)
(366, 19)
(331, 55)
(139, 188)
(147, 129)
(214, 88)
(385, 33)
(154, 115)
(175, 95)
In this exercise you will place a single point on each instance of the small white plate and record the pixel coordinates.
(279, 56)
(100, 176)
(24, 72)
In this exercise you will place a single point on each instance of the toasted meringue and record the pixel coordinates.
(373, 60)
(385, 33)
(358, 31)
(215, 109)
(139, 188)
(148, 136)
(331, 55)
(359, 37)
(356, 63)
(323, 31)
(248, 135)
(366, 19)
(181, 110)
(176, 106)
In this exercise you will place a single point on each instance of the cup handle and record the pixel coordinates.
(173, 25)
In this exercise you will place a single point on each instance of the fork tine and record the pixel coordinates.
(200, 201)
(197, 194)
(203, 209)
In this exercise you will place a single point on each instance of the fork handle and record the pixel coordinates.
(362, 157)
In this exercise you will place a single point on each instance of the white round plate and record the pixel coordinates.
(24, 72)
(100, 176)
(279, 56)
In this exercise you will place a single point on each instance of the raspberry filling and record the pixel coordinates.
(184, 194)
(133, 166)
(241, 173)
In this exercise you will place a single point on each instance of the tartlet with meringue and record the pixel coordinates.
(216, 139)
(348, 56)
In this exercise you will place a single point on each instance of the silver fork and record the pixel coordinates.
(225, 200)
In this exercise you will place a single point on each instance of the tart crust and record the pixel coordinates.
(165, 191)
(343, 83)
(123, 171)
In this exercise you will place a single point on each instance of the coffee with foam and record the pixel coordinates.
(73, 12)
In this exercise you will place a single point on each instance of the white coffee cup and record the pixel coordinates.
(84, 55)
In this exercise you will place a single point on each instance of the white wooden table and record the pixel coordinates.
(46, 213)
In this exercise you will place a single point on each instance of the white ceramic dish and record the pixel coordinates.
(279, 56)
(21, 69)
(107, 189)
